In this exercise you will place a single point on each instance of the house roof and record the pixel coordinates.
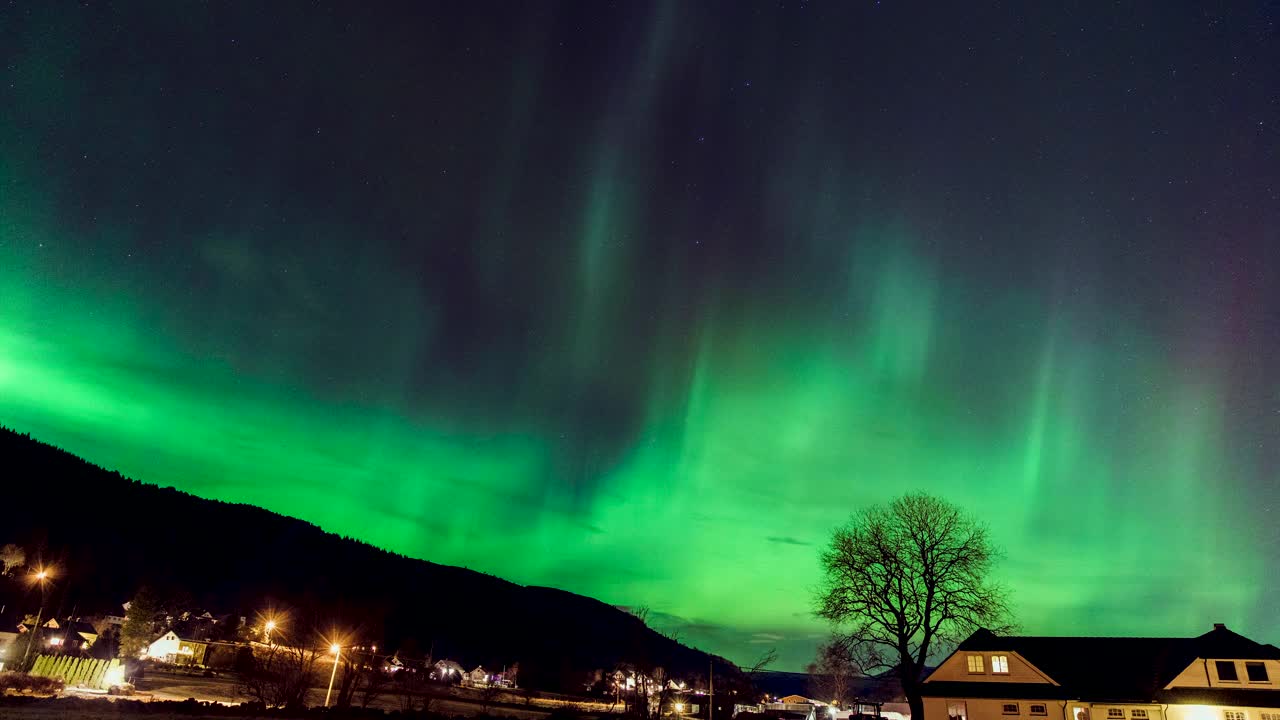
(1104, 668)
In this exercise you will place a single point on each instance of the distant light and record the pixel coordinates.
(679, 707)
(271, 625)
(335, 648)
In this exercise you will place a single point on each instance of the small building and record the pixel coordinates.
(171, 648)
(478, 677)
(68, 635)
(1219, 675)
(447, 671)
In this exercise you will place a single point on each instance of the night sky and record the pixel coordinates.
(640, 300)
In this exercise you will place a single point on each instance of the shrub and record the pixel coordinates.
(17, 683)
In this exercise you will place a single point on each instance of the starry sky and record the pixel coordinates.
(640, 300)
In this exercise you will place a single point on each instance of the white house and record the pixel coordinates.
(1216, 676)
(169, 647)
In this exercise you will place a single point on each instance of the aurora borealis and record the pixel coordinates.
(640, 300)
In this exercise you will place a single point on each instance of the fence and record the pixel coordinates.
(80, 672)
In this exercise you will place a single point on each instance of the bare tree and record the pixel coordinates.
(413, 686)
(761, 663)
(12, 556)
(832, 671)
(279, 676)
(361, 673)
(904, 578)
(488, 696)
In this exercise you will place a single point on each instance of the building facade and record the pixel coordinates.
(1220, 675)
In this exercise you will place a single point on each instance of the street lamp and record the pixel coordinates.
(337, 653)
(41, 576)
(269, 626)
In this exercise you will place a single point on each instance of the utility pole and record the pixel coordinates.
(34, 636)
(41, 577)
(711, 689)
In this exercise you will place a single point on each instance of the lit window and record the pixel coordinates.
(957, 711)
(1000, 664)
(1138, 714)
(1038, 709)
(1233, 715)
(975, 663)
(1012, 709)
(1115, 712)
(1256, 672)
(1227, 671)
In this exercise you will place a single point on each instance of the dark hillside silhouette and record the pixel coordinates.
(110, 535)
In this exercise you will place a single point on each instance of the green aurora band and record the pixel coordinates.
(762, 407)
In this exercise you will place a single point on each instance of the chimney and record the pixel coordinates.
(1219, 626)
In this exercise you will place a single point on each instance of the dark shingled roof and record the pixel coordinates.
(1101, 669)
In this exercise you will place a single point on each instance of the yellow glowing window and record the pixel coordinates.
(975, 663)
(1000, 664)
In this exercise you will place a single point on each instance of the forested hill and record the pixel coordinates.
(109, 535)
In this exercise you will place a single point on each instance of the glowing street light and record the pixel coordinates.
(41, 577)
(269, 626)
(337, 653)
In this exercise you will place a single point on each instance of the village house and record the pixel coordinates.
(69, 636)
(1220, 675)
(479, 677)
(447, 671)
(171, 648)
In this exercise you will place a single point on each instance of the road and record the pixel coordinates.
(180, 686)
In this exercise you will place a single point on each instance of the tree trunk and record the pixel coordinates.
(917, 704)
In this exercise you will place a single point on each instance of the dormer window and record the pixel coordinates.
(1000, 664)
(1256, 672)
(975, 664)
(1227, 671)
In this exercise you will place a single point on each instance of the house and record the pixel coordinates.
(1219, 675)
(447, 671)
(172, 648)
(861, 695)
(796, 707)
(65, 636)
(479, 677)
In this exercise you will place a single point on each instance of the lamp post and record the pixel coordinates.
(40, 577)
(271, 625)
(337, 652)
